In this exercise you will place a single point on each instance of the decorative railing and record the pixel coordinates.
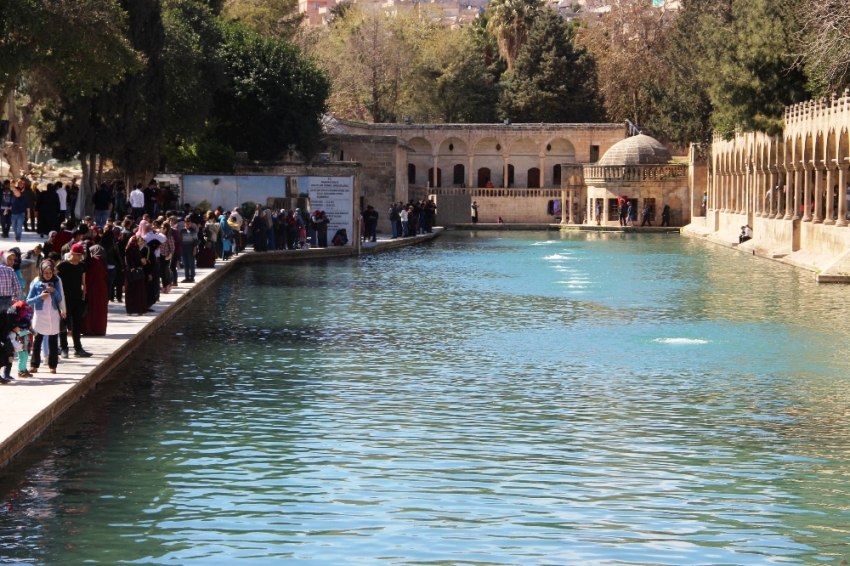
(496, 192)
(635, 172)
(823, 107)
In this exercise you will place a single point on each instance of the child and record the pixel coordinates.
(21, 340)
(227, 247)
(302, 237)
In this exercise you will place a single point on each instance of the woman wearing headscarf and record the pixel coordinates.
(47, 207)
(48, 303)
(258, 231)
(151, 268)
(94, 323)
(166, 253)
(135, 291)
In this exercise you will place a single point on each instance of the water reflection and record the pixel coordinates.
(504, 398)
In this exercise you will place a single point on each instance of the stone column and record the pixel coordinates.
(807, 195)
(842, 195)
(818, 217)
(792, 211)
(564, 205)
(543, 171)
(830, 195)
(471, 175)
(505, 170)
(736, 200)
(771, 209)
(435, 169)
(568, 206)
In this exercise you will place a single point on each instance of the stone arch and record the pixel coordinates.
(488, 155)
(453, 146)
(453, 152)
(558, 151)
(524, 156)
(421, 159)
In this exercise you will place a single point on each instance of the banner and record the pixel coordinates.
(335, 197)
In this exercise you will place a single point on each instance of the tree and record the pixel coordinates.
(124, 122)
(38, 60)
(368, 56)
(274, 96)
(682, 103)
(628, 43)
(750, 64)
(553, 80)
(449, 81)
(825, 44)
(266, 17)
(509, 22)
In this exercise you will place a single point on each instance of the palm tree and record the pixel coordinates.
(509, 23)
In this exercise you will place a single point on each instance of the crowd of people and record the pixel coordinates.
(415, 217)
(126, 254)
(131, 252)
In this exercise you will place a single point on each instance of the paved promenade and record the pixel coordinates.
(29, 405)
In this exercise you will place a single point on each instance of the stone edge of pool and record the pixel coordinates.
(18, 440)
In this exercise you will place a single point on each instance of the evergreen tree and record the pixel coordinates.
(274, 96)
(552, 80)
(683, 106)
(750, 66)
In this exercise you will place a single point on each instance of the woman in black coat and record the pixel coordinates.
(47, 206)
(258, 231)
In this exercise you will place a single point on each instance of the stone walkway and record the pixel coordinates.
(29, 405)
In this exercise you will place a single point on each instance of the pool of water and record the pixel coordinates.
(489, 398)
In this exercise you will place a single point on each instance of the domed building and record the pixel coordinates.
(638, 170)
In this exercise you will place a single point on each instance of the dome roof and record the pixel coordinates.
(636, 150)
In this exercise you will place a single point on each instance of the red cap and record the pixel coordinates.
(78, 249)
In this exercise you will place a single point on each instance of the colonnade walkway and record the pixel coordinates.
(29, 405)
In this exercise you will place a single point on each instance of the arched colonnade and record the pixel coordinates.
(800, 175)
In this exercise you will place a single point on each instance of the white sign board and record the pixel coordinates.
(335, 197)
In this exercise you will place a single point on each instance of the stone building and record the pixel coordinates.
(637, 168)
(790, 189)
(516, 168)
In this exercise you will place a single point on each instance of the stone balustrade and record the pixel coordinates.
(634, 172)
(495, 192)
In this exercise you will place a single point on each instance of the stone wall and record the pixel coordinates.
(383, 160)
(525, 206)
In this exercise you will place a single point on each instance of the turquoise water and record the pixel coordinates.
(516, 398)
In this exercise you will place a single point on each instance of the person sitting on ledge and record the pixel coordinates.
(746, 234)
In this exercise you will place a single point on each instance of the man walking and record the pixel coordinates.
(72, 272)
(137, 202)
(63, 202)
(475, 212)
(647, 216)
(598, 213)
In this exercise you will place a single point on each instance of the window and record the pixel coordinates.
(483, 177)
(613, 212)
(556, 176)
(458, 175)
(411, 174)
(510, 176)
(534, 178)
(594, 153)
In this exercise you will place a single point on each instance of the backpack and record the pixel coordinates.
(340, 238)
